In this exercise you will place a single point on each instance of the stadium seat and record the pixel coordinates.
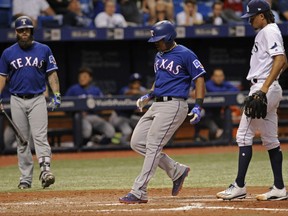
(49, 21)
(178, 6)
(5, 13)
(5, 3)
(205, 8)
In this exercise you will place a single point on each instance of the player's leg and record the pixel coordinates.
(9, 137)
(102, 126)
(38, 119)
(138, 143)
(244, 138)
(269, 136)
(167, 117)
(25, 160)
(122, 125)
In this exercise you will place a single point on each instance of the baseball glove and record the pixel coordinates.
(255, 105)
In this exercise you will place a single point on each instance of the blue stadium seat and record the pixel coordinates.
(5, 13)
(178, 6)
(5, 18)
(49, 21)
(205, 8)
(6, 4)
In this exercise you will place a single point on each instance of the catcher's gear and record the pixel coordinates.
(255, 105)
(144, 100)
(55, 101)
(196, 114)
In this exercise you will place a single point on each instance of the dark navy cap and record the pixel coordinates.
(134, 77)
(23, 22)
(255, 7)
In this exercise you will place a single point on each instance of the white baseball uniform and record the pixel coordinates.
(268, 43)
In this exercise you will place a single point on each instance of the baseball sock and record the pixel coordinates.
(276, 159)
(244, 158)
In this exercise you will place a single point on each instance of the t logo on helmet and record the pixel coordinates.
(152, 33)
(23, 21)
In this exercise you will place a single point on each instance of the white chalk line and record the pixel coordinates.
(182, 201)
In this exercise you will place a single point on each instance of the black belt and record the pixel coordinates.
(167, 98)
(163, 99)
(253, 81)
(27, 96)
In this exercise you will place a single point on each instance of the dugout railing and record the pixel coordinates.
(65, 124)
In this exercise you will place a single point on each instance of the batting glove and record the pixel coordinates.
(55, 101)
(144, 100)
(195, 114)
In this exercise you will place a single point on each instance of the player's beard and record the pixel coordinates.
(25, 44)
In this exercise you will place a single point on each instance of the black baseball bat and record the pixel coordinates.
(14, 127)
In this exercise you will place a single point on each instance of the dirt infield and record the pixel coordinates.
(161, 203)
(190, 201)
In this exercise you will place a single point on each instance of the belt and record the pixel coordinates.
(166, 98)
(26, 96)
(254, 81)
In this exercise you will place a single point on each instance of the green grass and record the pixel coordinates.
(207, 170)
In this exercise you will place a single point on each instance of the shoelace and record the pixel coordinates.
(230, 188)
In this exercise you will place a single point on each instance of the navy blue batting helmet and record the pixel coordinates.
(163, 30)
(23, 22)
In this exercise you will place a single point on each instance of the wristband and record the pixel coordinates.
(199, 102)
(151, 94)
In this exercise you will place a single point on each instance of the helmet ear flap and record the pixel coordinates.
(168, 38)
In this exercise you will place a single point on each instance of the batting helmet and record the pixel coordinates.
(23, 22)
(163, 30)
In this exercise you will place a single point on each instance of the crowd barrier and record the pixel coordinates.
(137, 33)
(75, 106)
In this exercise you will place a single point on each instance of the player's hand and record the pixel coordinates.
(55, 101)
(143, 101)
(195, 114)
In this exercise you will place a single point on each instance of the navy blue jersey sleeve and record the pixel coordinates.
(3, 65)
(51, 62)
(194, 66)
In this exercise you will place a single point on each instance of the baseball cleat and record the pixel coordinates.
(232, 192)
(24, 185)
(273, 194)
(131, 199)
(178, 183)
(47, 179)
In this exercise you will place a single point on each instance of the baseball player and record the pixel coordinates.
(268, 60)
(175, 67)
(27, 63)
(91, 121)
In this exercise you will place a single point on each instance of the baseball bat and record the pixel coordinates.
(14, 127)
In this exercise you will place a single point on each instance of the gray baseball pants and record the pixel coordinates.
(151, 134)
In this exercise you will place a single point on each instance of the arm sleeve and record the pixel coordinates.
(51, 62)
(194, 66)
(3, 65)
(274, 44)
(44, 5)
(100, 21)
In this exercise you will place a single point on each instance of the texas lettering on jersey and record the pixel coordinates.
(167, 65)
(27, 61)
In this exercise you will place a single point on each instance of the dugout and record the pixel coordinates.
(114, 54)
